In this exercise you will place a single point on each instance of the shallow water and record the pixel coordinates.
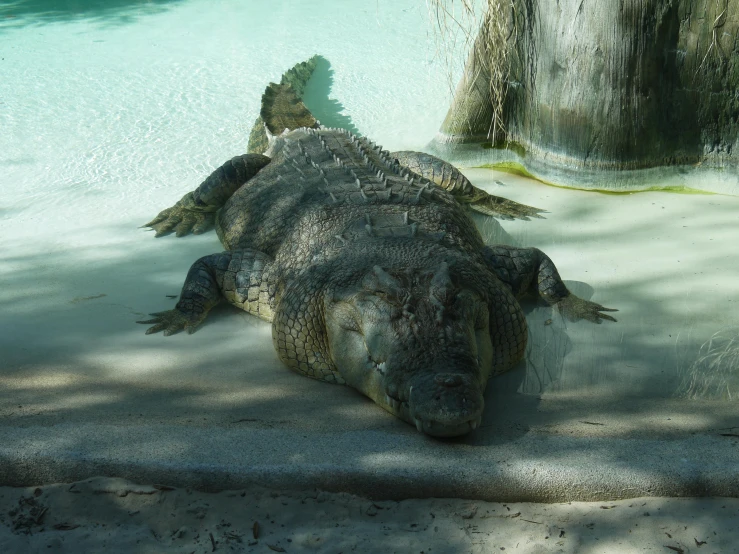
(111, 111)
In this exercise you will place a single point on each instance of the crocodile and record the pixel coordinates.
(368, 266)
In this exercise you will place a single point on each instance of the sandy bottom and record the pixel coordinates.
(113, 515)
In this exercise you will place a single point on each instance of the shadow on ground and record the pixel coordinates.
(102, 514)
(20, 13)
(85, 392)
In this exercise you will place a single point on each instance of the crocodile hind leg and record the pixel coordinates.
(243, 277)
(451, 179)
(195, 212)
(529, 270)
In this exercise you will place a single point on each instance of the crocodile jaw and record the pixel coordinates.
(439, 404)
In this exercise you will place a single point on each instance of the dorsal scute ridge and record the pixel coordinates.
(369, 164)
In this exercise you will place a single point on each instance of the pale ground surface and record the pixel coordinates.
(110, 515)
(105, 122)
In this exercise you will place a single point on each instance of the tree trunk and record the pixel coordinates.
(623, 94)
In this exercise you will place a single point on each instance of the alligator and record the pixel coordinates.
(367, 264)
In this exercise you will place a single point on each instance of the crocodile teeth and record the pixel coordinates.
(419, 424)
(382, 367)
(392, 402)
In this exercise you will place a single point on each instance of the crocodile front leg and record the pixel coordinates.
(195, 212)
(451, 179)
(243, 277)
(527, 270)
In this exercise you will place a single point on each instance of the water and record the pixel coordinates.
(111, 111)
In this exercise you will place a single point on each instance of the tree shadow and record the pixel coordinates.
(22, 13)
(85, 392)
(111, 511)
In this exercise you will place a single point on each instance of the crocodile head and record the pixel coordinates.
(416, 344)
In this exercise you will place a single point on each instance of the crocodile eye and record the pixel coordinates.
(482, 319)
(348, 320)
(351, 325)
(476, 310)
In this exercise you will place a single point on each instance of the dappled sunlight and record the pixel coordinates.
(79, 401)
(120, 514)
(657, 257)
(235, 398)
(145, 362)
(585, 396)
(41, 380)
(662, 421)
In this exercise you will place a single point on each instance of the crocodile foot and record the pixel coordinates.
(172, 322)
(503, 208)
(183, 218)
(575, 309)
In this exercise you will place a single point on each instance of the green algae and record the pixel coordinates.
(515, 168)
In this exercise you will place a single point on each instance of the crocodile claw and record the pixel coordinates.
(182, 218)
(502, 208)
(575, 309)
(172, 322)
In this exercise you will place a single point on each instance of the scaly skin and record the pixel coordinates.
(292, 84)
(372, 276)
(452, 180)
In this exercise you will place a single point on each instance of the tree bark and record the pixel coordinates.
(602, 94)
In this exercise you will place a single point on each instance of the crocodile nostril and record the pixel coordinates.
(448, 380)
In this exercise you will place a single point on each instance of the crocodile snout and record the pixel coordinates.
(446, 404)
(448, 380)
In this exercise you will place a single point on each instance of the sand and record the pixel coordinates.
(113, 515)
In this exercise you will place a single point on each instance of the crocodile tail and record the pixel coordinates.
(299, 74)
(282, 107)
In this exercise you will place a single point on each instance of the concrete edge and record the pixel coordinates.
(376, 464)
